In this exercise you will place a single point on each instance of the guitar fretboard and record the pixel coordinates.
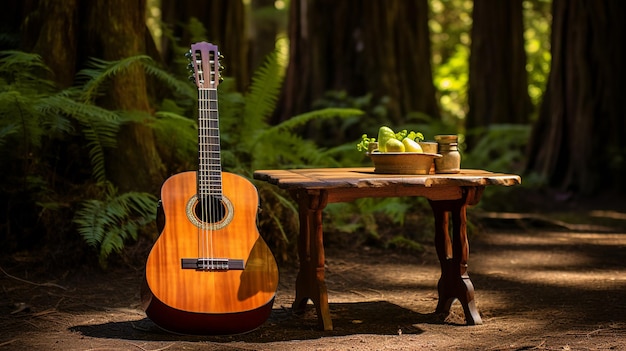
(210, 165)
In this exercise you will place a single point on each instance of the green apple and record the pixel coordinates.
(384, 135)
(394, 145)
(411, 146)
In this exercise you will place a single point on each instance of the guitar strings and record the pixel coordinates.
(215, 164)
(211, 162)
(201, 176)
(209, 173)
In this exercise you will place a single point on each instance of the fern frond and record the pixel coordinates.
(177, 135)
(100, 71)
(282, 147)
(500, 149)
(107, 224)
(114, 242)
(7, 130)
(180, 86)
(326, 113)
(25, 72)
(17, 108)
(99, 126)
(99, 137)
(261, 98)
(13, 61)
(91, 223)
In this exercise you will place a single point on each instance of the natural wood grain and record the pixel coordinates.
(331, 178)
(448, 194)
(211, 292)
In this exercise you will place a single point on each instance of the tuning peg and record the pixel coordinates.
(192, 78)
(190, 67)
(188, 54)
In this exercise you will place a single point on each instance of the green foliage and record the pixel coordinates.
(500, 149)
(98, 126)
(177, 139)
(106, 224)
(42, 128)
(451, 79)
(450, 26)
(363, 218)
(99, 72)
(537, 18)
(6, 131)
(249, 143)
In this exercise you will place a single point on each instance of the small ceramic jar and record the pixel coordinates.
(450, 162)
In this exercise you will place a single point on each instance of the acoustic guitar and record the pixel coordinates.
(209, 272)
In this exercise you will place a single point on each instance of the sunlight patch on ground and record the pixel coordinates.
(590, 280)
(555, 258)
(555, 238)
(526, 259)
(608, 214)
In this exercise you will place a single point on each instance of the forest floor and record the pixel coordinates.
(542, 283)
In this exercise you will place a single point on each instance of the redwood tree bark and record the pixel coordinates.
(116, 29)
(377, 46)
(51, 31)
(578, 141)
(498, 83)
(66, 34)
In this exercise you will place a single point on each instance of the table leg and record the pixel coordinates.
(310, 282)
(453, 254)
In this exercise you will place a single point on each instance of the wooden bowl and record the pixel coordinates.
(402, 162)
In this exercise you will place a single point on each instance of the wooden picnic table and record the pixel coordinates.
(448, 194)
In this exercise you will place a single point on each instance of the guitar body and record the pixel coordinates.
(209, 301)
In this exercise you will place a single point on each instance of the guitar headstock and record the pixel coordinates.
(205, 65)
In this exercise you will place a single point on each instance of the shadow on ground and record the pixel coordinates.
(283, 325)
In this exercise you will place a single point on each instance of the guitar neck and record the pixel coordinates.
(210, 165)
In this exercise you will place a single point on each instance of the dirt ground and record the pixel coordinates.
(541, 284)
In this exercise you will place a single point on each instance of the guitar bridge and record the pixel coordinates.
(212, 264)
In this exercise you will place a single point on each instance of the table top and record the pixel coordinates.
(365, 177)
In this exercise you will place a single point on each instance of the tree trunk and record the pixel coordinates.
(498, 83)
(377, 46)
(135, 163)
(50, 32)
(578, 141)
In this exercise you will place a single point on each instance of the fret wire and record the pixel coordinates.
(210, 168)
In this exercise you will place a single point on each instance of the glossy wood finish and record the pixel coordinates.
(209, 302)
(448, 194)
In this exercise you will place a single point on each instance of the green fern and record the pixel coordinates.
(98, 125)
(501, 148)
(257, 145)
(6, 131)
(250, 143)
(177, 137)
(108, 223)
(262, 96)
(35, 114)
(99, 72)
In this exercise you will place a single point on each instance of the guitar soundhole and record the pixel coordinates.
(210, 213)
(210, 210)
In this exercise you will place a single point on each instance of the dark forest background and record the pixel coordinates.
(96, 110)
